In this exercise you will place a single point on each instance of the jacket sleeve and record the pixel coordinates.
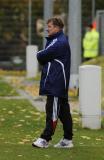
(51, 52)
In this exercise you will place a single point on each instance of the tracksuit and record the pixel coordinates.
(55, 59)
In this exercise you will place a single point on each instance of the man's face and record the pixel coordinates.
(52, 29)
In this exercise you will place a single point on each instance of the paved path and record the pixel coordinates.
(11, 97)
(40, 101)
(37, 101)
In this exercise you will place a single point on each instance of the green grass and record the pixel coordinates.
(20, 123)
(6, 89)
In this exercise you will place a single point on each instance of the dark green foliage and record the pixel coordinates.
(14, 23)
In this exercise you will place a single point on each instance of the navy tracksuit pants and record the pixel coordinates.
(57, 107)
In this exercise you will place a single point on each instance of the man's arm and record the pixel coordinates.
(51, 52)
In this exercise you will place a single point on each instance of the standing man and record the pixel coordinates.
(90, 43)
(54, 83)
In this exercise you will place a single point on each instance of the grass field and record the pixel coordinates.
(20, 124)
(6, 89)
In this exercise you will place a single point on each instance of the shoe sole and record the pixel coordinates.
(34, 145)
(64, 146)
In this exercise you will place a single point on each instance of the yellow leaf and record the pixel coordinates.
(85, 137)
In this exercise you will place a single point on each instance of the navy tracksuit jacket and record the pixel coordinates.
(55, 59)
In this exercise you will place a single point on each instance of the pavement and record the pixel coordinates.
(39, 101)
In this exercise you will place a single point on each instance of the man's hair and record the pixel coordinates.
(56, 22)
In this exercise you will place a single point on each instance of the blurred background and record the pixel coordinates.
(15, 22)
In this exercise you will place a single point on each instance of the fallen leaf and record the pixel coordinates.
(10, 112)
(98, 139)
(20, 155)
(20, 142)
(85, 137)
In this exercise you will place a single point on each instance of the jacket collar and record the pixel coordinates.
(55, 35)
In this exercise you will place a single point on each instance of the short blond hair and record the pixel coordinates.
(56, 22)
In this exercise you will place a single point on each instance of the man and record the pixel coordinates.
(54, 83)
(90, 43)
